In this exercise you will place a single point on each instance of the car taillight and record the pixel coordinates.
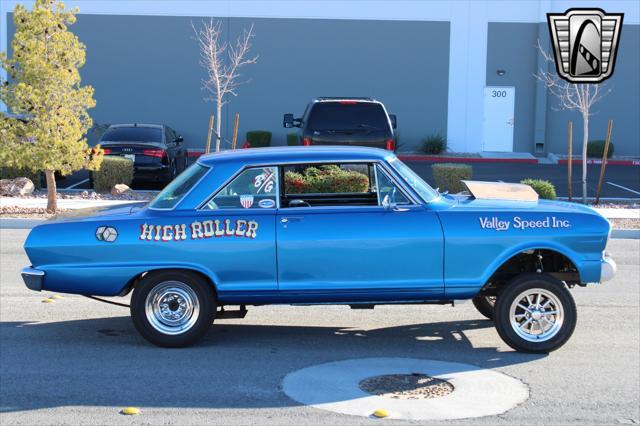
(154, 152)
(391, 144)
(306, 141)
(348, 102)
(107, 151)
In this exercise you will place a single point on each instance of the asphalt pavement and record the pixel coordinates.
(77, 361)
(619, 181)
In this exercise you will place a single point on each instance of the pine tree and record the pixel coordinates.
(45, 88)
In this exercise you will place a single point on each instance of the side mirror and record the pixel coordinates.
(288, 121)
(179, 139)
(394, 120)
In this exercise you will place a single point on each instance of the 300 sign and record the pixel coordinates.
(498, 93)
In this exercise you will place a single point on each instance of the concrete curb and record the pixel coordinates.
(626, 233)
(19, 223)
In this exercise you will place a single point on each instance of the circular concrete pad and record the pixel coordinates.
(334, 387)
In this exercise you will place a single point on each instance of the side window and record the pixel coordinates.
(386, 187)
(252, 189)
(329, 185)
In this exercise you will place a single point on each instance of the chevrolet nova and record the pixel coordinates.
(326, 225)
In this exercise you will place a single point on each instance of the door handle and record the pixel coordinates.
(290, 219)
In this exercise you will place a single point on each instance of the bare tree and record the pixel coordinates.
(577, 97)
(222, 62)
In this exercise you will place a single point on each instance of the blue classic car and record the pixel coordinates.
(326, 225)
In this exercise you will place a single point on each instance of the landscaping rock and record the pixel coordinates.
(17, 186)
(120, 189)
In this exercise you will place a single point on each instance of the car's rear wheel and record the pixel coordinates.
(485, 305)
(535, 313)
(173, 308)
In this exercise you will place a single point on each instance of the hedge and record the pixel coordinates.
(325, 180)
(434, 144)
(544, 188)
(449, 176)
(596, 149)
(13, 172)
(113, 170)
(259, 138)
(292, 139)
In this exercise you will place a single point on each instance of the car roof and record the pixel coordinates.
(115, 126)
(289, 154)
(343, 98)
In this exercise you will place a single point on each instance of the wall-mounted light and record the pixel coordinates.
(501, 72)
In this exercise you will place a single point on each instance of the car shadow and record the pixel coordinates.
(104, 362)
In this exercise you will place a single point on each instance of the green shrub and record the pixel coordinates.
(434, 144)
(259, 138)
(325, 180)
(544, 188)
(113, 170)
(292, 139)
(596, 149)
(449, 176)
(12, 173)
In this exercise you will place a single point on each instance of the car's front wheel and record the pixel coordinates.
(535, 313)
(173, 308)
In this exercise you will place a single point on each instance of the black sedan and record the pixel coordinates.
(157, 152)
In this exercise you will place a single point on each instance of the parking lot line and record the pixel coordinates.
(623, 187)
(77, 184)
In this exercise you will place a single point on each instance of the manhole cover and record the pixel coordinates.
(406, 386)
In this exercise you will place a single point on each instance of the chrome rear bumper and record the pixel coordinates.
(608, 268)
(33, 278)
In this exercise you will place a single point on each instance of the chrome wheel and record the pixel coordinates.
(172, 307)
(536, 315)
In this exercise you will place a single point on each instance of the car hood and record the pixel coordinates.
(93, 212)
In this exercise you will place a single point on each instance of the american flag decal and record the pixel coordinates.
(246, 201)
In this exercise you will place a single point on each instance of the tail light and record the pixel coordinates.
(348, 102)
(391, 145)
(306, 141)
(160, 153)
(107, 151)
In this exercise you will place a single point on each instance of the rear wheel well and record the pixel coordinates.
(133, 281)
(541, 261)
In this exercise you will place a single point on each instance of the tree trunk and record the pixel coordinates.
(218, 124)
(585, 140)
(52, 201)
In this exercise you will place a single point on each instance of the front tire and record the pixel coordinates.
(173, 309)
(485, 305)
(535, 313)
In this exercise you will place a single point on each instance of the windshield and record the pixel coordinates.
(353, 116)
(133, 134)
(173, 193)
(412, 179)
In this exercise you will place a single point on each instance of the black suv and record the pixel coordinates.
(158, 154)
(345, 121)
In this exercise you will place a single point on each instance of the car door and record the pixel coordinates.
(237, 229)
(345, 248)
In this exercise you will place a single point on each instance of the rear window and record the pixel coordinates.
(173, 193)
(347, 116)
(133, 134)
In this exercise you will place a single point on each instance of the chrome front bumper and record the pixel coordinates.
(33, 278)
(608, 268)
